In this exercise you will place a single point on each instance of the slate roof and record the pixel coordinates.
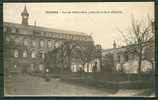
(44, 29)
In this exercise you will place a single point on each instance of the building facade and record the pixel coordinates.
(25, 46)
(125, 60)
(75, 56)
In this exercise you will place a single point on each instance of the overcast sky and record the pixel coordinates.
(102, 26)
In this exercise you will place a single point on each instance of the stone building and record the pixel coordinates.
(25, 46)
(124, 59)
(75, 56)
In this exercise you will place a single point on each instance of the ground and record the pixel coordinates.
(32, 85)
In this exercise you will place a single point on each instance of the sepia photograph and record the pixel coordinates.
(90, 49)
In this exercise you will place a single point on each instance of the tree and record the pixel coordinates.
(137, 37)
(87, 54)
(108, 63)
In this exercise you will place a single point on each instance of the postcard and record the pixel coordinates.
(92, 49)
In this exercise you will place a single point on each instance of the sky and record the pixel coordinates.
(102, 26)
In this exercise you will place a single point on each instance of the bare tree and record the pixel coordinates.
(87, 54)
(138, 35)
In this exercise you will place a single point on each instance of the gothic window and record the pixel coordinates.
(16, 53)
(41, 43)
(33, 54)
(49, 44)
(25, 53)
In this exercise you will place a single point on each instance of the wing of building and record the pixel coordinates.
(25, 45)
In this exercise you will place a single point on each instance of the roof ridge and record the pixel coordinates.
(50, 29)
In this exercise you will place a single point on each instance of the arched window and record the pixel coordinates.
(17, 40)
(13, 30)
(53, 43)
(32, 67)
(42, 54)
(56, 44)
(15, 66)
(118, 57)
(25, 53)
(26, 42)
(41, 43)
(49, 44)
(16, 53)
(33, 43)
(41, 67)
(33, 54)
(126, 57)
(7, 38)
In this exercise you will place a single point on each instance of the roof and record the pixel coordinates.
(25, 11)
(44, 29)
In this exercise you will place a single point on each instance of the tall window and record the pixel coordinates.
(32, 67)
(49, 44)
(7, 38)
(41, 67)
(25, 53)
(33, 43)
(26, 42)
(42, 54)
(126, 57)
(13, 30)
(41, 43)
(118, 57)
(33, 54)
(53, 43)
(15, 66)
(17, 40)
(16, 53)
(56, 44)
